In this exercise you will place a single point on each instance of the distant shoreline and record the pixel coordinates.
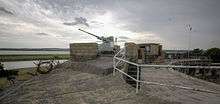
(30, 57)
(34, 49)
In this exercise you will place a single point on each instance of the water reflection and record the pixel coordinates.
(22, 64)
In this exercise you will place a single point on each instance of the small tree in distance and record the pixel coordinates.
(197, 52)
(214, 54)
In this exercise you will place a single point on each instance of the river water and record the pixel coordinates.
(3, 52)
(26, 64)
(22, 64)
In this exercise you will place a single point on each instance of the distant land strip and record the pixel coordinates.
(34, 49)
(30, 57)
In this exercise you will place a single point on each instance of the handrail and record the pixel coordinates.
(163, 66)
(179, 66)
(119, 52)
(158, 66)
(127, 61)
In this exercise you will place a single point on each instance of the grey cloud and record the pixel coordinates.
(2, 9)
(77, 21)
(123, 37)
(167, 19)
(163, 18)
(42, 34)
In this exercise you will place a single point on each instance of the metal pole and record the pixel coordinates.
(189, 46)
(114, 66)
(138, 79)
(189, 29)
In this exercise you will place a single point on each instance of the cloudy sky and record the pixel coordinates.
(55, 23)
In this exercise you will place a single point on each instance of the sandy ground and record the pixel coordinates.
(66, 85)
(170, 77)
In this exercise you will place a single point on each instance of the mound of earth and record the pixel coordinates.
(91, 83)
(67, 86)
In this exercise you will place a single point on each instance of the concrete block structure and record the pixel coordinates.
(131, 52)
(83, 51)
(150, 53)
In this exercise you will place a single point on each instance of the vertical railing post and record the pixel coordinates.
(113, 66)
(138, 79)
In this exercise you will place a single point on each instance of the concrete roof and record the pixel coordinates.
(65, 85)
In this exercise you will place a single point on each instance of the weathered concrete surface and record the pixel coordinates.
(83, 51)
(100, 66)
(171, 77)
(131, 53)
(66, 86)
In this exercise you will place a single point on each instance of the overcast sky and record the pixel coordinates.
(55, 23)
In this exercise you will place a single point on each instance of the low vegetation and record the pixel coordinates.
(8, 77)
(22, 75)
(212, 53)
(28, 57)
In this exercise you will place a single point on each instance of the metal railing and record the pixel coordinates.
(121, 58)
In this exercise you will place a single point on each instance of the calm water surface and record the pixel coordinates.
(3, 52)
(22, 64)
(26, 64)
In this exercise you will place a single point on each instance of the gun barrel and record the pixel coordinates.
(88, 33)
(92, 35)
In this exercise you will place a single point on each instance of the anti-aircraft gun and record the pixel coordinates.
(107, 45)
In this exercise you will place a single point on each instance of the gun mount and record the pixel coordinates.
(107, 45)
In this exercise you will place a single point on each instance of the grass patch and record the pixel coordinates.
(3, 83)
(29, 57)
(23, 75)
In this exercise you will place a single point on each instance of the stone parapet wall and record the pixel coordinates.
(131, 52)
(83, 51)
